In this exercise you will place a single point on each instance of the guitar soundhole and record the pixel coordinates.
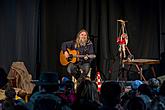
(70, 57)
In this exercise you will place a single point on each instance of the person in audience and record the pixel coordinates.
(159, 102)
(87, 96)
(145, 94)
(155, 86)
(136, 103)
(12, 99)
(162, 93)
(46, 98)
(110, 96)
(132, 93)
(63, 81)
(134, 87)
(67, 92)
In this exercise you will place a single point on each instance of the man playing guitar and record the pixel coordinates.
(78, 62)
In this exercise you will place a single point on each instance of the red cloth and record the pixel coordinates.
(121, 40)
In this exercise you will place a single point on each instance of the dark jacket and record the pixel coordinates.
(83, 50)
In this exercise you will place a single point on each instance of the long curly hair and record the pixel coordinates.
(78, 41)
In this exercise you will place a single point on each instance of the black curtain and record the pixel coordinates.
(64, 18)
(19, 22)
(33, 31)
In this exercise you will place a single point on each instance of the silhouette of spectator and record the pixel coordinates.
(67, 92)
(134, 86)
(46, 98)
(63, 83)
(162, 93)
(159, 103)
(11, 99)
(154, 84)
(110, 96)
(87, 96)
(145, 94)
(136, 103)
(132, 93)
(48, 102)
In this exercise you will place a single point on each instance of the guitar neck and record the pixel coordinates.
(82, 56)
(79, 56)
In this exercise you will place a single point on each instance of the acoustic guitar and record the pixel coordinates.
(74, 55)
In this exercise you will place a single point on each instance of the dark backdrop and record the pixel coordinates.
(19, 30)
(33, 30)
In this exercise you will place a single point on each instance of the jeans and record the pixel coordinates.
(78, 70)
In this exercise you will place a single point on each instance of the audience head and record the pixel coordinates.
(87, 90)
(144, 89)
(10, 93)
(63, 83)
(154, 83)
(48, 81)
(135, 84)
(87, 96)
(136, 103)
(110, 93)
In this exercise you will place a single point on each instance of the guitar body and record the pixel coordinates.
(64, 61)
